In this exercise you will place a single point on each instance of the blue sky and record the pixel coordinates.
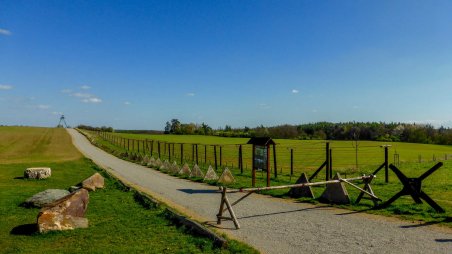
(138, 64)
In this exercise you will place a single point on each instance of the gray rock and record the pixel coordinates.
(37, 173)
(46, 197)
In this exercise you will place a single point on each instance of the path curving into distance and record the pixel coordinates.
(274, 225)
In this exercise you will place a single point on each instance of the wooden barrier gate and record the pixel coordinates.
(225, 201)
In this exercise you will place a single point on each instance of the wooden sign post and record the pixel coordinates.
(261, 157)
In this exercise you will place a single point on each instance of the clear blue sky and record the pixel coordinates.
(137, 64)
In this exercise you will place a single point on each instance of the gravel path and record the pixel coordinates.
(274, 225)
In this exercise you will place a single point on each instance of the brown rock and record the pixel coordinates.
(65, 214)
(93, 182)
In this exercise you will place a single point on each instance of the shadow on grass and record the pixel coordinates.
(26, 229)
(19, 177)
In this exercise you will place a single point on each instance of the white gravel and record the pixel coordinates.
(274, 225)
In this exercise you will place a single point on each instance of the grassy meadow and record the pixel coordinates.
(308, 154)
(117, 222)
(414, 160)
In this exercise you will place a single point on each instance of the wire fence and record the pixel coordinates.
(291, 158)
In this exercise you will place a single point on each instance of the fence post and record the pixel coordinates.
(327, 148)
(181, 154)
(197, 154)
(221, 156)
(158, 148)
(291, 161)
(274, 161)
(253, 170)
(331, 164)
(240, 159)
(386, 164)
(205, 154)
(215, 155)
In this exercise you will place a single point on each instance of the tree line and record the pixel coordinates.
(91, 128)
(373, 131)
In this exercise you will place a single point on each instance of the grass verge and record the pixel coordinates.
(119, 221)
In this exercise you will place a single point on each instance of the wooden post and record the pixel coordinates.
(253, 171)
(152, 147)
(327, 148)
(197, 154)
(220, 212)
(169, 152)
(221, 156)
(181, 154)
(274, 161)
(138, 143)
(205, 154)
(331, 164)
(240, 159)
(192, 152)
(386, 164)
(158, 147)
(291, 161)
(215, 155)
(128, 144)
(268, 165)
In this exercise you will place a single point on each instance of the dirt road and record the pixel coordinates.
(274, 225)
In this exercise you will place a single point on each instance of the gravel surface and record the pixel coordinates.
(274, 225)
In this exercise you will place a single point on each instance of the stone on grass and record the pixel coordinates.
(166, 166)
(151, 162)
(185, 170)
(93, 182)
(158, 163)
(145, 160)
(174, 168)
(302, 192)
(37, 173)
(226, 177)
(196, 172)
(46, 197)
(335, 193)
(211, 175)
(65, 214)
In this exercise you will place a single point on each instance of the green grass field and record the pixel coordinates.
(117, 223)
(308, 154)
(371, 155)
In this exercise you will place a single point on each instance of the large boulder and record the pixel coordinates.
(37, 173)
(65, 214)
(46, 197)
(93, 182)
